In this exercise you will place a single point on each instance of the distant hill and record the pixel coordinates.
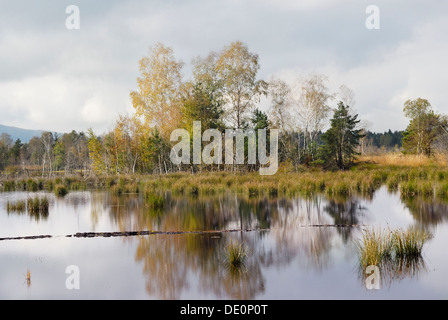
(24, 135)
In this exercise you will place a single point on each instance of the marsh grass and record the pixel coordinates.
(379, 246)
(38, 205)
(442, 190)
(363, 180)
(34, 206)
(60, 190)
(397, 253)
(398, 159)
(409, 243)
(154, 200)
(16, 206)
(235, 254)
(375, 247)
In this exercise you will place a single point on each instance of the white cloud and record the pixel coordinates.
(57, 103)
(413, 68)
(55, 79)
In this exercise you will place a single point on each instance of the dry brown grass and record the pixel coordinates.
(398, 159)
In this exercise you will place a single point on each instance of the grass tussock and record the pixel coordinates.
(396, 253)
(37, 205)
(377, 247)
(60, 190)
(154, 200)
(235, 254)
(16, 206)
(409, 243)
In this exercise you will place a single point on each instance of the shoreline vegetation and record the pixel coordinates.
(411, 176)
(309, 127)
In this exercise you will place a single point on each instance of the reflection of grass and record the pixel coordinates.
(28, 277)
(235, 254)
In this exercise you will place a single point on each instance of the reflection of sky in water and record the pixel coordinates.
(290, 261)
(386, 210)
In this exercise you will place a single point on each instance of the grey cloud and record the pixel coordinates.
(328, 36)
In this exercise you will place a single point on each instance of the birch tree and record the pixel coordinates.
(281, 101)
(158, 98)
(237, 68)
(312, 110)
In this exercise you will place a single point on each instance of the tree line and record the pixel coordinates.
(316, 126)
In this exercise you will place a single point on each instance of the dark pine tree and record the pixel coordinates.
(342, 139)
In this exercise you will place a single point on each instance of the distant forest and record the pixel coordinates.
(69, 152)
(387, 141)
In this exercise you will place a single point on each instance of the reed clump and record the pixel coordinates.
(37, 205)
(409, 243)
(378, 247)
(375, 247)
(60, 190)
(154, 200)
(235, 254)
(442, 190)
(16, 206)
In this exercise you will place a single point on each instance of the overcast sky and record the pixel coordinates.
(56, 79)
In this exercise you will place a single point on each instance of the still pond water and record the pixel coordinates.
(290, 256)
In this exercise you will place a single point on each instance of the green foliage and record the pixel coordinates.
(424, 128)
(342, 139)
(95, 152)
(203, 104)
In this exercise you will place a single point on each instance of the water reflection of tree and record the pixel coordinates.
(296, 236)
(165, 265)
(427, 212)
(171, 261)
(344, 212)
(245, 282)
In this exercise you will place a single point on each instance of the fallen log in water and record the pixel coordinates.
(155, 232)
(27, 237)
